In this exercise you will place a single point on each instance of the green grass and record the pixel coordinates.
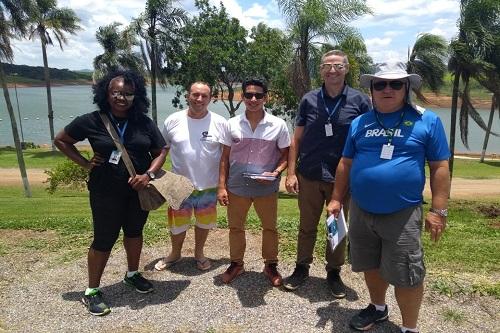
(40, 158)
(472, 169)
(454, 316)
(469, 247)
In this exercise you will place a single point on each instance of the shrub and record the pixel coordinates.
(66, 174)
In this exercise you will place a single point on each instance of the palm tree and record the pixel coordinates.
(474, 54)
(159, 25)
(427, 59)
(44, 19)
(117, 51)
(311, 20)
(13, 24)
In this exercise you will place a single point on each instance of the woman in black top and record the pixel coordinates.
(114, 200)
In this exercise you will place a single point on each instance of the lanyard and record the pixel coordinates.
(121, 131)
(390, 131)
(332, 112)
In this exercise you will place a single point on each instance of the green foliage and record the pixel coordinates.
(26, 74)
(311, 20)
(453, 315)
(474, 53)
(66, 174)
(269, 55)
(427, 59)
(118, 52)
(214, 52)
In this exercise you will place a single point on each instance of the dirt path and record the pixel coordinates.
(39, 293)
(461, 188)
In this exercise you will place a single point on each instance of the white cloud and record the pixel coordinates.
(388, 33)
(257, 11)
(376, 42)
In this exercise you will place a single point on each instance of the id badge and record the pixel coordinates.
(387, 151)
(328, 129)
(115, 157)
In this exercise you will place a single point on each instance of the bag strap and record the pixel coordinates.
(118, 143)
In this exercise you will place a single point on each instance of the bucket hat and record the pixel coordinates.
(391, 71)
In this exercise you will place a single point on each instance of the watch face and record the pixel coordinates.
(150, 174)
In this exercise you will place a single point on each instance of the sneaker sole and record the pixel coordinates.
(290, 287)
(98, 314)
(366, 328)
(138, 290)
(338, 296)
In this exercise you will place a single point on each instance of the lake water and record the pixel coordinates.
(71, 101)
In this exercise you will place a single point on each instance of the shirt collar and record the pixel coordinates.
(265, 119)
(343, 92)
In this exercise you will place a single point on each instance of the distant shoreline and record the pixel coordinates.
(53, 84)
(440, 101)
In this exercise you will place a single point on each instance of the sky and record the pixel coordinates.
(388, 33)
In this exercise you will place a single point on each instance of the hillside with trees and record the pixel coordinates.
(32, 74)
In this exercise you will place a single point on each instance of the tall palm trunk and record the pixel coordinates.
(49, 94)
(15, 134)
(153, 81)
(495, 102)
(453, 121)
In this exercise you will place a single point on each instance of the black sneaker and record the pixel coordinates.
(298, 277)
(335, 283)
(139, 283)
(368, 317)
(95, 304)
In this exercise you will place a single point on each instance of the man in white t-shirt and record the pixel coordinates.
(194, 138)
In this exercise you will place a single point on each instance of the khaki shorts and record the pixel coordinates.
(388, 242)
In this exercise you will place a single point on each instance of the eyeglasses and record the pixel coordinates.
(128, 96)
(249, 95)
(328, 67)
(395, 85)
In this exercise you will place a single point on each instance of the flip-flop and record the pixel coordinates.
(162, 264)
(203, 264)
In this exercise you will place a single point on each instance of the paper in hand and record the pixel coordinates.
(336, 229)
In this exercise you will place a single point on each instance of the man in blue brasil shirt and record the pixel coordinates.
(383, 164)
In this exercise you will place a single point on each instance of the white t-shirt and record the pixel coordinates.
(195, 146)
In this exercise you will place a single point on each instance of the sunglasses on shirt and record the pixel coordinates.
(249, 95)
(395, 85)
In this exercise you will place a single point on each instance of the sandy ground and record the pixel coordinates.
(461, 188)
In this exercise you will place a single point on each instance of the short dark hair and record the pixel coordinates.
(254, 82)
(141, 102)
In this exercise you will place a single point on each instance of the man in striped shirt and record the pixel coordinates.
(255, 153)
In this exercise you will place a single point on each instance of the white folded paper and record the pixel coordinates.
(336, 229)
(258, 176)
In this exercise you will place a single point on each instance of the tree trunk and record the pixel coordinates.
(494, 103)
(153, 82)
(15, 134)
(49, 94)
(453, 121)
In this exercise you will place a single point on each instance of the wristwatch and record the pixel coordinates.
(440, 212)
(151, 175)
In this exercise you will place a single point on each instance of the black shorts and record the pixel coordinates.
(112, 211)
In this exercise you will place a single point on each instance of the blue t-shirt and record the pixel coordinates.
(383, 186)
(319, 154)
